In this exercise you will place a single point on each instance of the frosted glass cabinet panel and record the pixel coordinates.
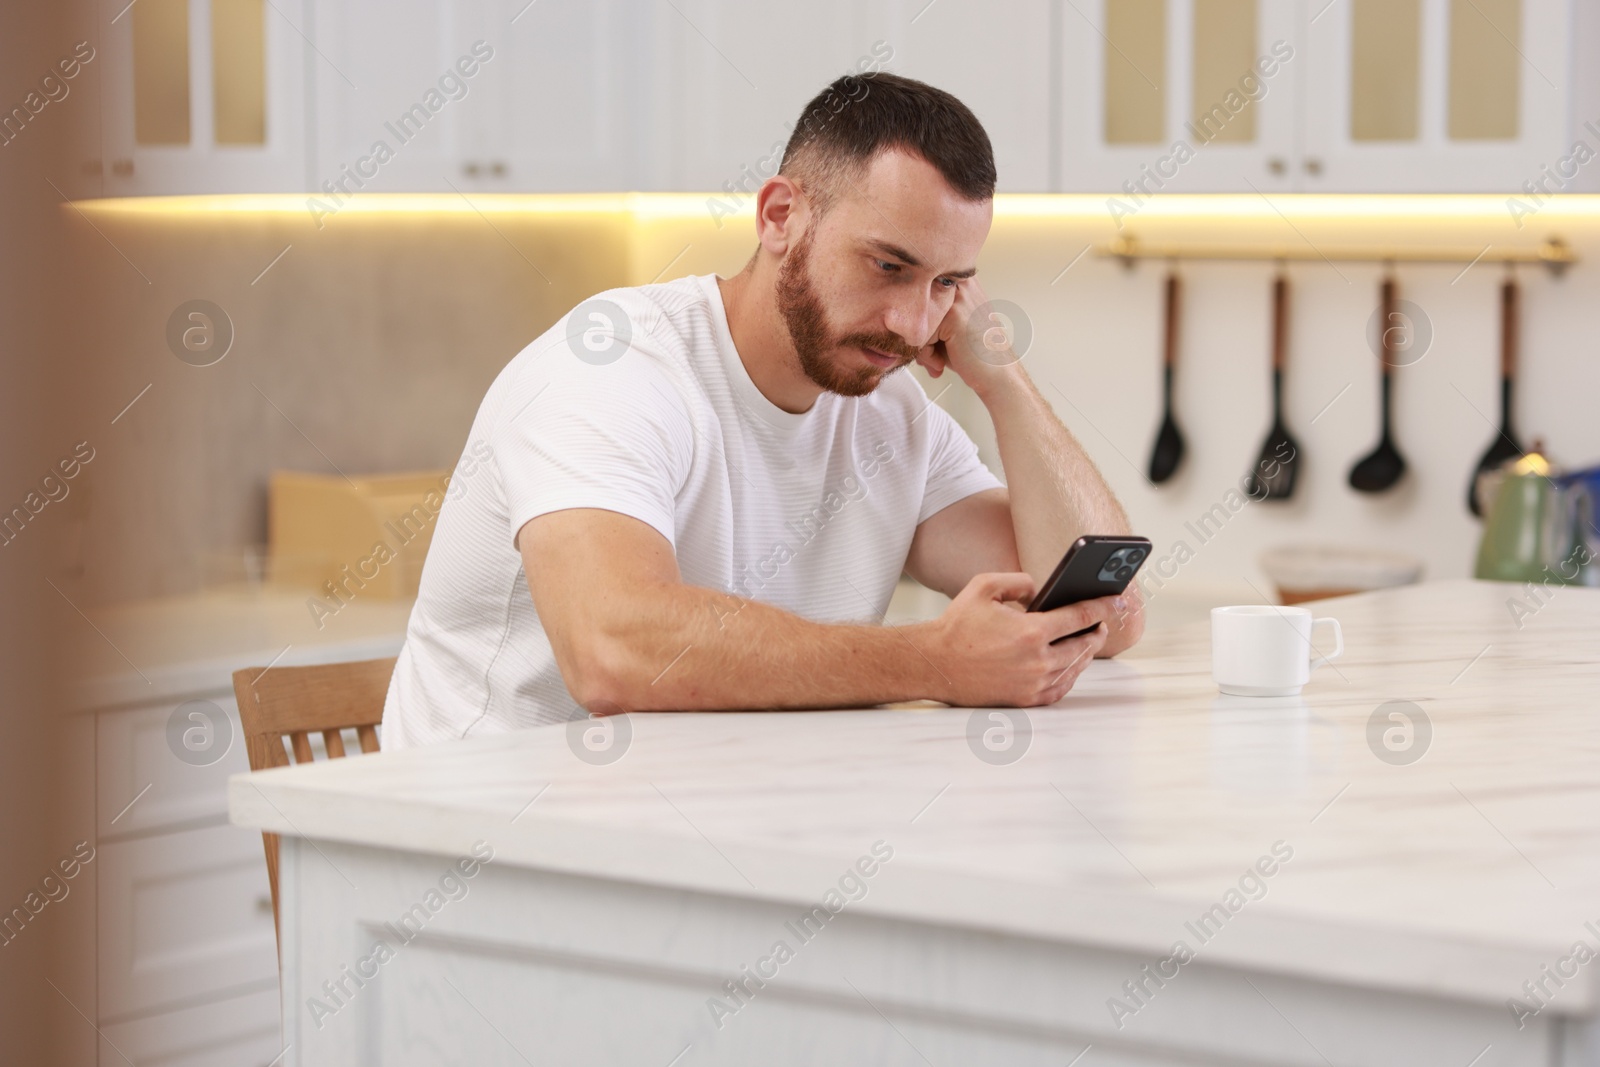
(1385, 63)
(1485, 69)
(1224, 49)
(239, 71)
(1135, 62)
(161, 71)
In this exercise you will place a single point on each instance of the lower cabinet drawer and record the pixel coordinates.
(241, 1032)
(182, 916)
(153, 776)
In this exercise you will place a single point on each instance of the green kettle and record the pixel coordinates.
(1531, 531)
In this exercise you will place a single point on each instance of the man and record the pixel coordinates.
(701, 494)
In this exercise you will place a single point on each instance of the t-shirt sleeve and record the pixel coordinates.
(954, 469)
(574, 434)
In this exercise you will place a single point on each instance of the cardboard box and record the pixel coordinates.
(349, 538)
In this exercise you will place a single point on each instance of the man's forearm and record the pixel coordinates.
(1057, 493)
(688, 648)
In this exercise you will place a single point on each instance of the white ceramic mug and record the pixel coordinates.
(1262, 650)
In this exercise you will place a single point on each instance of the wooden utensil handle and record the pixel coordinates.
(1280, 321)
(1387, 324)
(1169, 355)
(1508, 328)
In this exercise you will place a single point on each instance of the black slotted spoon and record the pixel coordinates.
(1272, 478)
(1168, 450)
(1383, 466)
(1505, 445)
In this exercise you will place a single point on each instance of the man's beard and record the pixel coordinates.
(802, 313)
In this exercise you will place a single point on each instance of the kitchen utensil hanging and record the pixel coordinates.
(1167, 453)
(1505, 445)
(1380, 469)
(1272, 478)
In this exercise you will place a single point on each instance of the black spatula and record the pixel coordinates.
(1505, 445)
(1273, 475)
(1384, 465)
(1168, 450)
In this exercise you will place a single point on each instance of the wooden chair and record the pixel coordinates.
(295, 702)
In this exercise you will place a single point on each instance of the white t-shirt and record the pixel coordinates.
(644, 407)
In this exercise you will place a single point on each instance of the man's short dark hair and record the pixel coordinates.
(847, 124)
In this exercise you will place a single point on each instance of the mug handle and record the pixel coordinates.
(1338, 642)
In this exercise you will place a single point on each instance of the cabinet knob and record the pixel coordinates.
(1313, 165)
(1276, 165)
(470, 169)
(122, 168)
(264, 904)
(92, 168)
(498, 169)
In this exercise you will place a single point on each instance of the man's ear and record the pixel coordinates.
(782, 214)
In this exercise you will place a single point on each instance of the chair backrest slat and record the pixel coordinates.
(294, 702)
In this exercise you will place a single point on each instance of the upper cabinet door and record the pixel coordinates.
(482, 96)
(1186, 96)
(1435, 95)
(733, 78)
(204, 96)
(388, 97)
(996, 61)
(564, 104)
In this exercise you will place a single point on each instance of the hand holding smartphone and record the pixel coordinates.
(1095, 565)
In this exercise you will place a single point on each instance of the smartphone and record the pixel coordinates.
(1094, 566)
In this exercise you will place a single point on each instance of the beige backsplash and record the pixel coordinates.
(369, 344)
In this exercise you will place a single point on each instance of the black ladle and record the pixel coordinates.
(1168, 451)
(1273, 475)
(1505, 446)
(1384, 466)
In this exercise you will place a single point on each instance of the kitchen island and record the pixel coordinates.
(1401, 866)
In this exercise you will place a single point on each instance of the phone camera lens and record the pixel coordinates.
(1124, 573)
(1135, 555)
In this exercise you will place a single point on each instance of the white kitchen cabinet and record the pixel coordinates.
(183, 916)
(1175, 152)
(142, 788)
(1345, 111)
(732, 79)
(481, 96)
(180, 116)
(241, 1032)
(567, 103)
(375, 66)
(700, 95)
(185, 954)
(1528, 49)
(738, 76)
(999, 63)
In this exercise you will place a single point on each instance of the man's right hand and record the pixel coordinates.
(989, 652)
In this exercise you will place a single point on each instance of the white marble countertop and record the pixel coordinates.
(170, 647)
(1140, 801)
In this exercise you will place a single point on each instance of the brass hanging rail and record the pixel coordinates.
(1555, 254)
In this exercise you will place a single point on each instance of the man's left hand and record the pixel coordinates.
(976, 346)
